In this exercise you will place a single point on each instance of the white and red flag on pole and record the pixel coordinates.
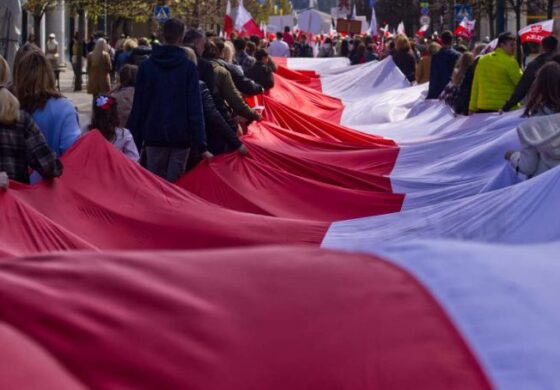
(536, 32)
(465, 29)
(245, 24)
(228, 21)
(400, 29)
(422, 31)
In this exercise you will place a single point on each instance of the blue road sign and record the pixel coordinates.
(162, 13)
(462, 11)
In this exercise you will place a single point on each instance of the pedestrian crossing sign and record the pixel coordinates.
(162, 13)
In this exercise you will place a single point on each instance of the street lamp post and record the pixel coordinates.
(500, 16)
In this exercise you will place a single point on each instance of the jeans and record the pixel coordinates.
(168, 163)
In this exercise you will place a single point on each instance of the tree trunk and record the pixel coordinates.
(550, 9)
(37, 29)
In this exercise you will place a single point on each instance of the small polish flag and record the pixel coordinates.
(465, 29)
(245, 24)
(228, 21)
(536, 32)
(422, 30)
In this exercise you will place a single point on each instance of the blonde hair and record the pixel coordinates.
(9, 107)
(402, 43)
(34, 81)
(4, 71)
(434, 48)
(463, 64)
(101, 47)
(229, 51)
(130, 44)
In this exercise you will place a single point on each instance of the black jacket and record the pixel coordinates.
(244, 84)
(443, 63)
(167, 108)
(262, 74)
(406, 63)
(527, 80)
(461, 106)
(139, 55)
(220, 135)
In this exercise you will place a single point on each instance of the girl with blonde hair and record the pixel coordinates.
(99, 69)
(34, 86)
(22, 145)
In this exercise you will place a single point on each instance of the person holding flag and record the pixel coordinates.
(549, 45)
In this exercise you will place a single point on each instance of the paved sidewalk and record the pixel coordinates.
(81, 99)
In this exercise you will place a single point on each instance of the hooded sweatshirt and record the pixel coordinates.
(540, 139)
(167, 108)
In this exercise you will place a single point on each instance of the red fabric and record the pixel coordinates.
(264, 318)
(306, 99)
(302, 171)
(309, 79)
(105, 201)
(265, 183)
(251, 28)
(228, 25)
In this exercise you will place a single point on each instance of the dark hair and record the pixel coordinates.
(461, 49)
(344, 49)
(286, 28)
(251, 48)
(505, 37)
(279, 35)
(447, 37)
(220, 44)
(143, 42)
(545, 91)
(239, 44)
(550, 44)
(211, 51)
(106, 120)
(260, 54)
(173, 31)
(192, 35)
(255, 39)
(361, 50)
(127, 75)
(328, 40)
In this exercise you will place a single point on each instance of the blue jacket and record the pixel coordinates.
(441, 70)
(167, 108)
(59, 123)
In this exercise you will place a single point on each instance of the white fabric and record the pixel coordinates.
(278, 49)
(386, 107)
(522, 213)
(364, 81)
(319, 65)
(504, 301)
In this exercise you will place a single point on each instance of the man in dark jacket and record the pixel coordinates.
(167, 116)
(443, 63)
(261, 72)
(549, 47)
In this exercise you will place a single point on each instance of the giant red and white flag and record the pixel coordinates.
(422, 31)
(465, 29)
(245, 24)
(228, 21)
(536, 32)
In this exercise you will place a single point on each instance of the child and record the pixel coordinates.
(22, 145)
(106, 120)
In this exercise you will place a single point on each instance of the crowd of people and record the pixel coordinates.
(168, 105)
